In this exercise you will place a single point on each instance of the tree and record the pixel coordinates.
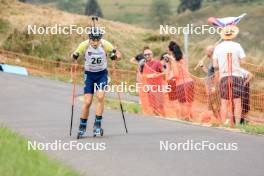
(93, 8)
(234, 1)
(189, 4)
(160, 10)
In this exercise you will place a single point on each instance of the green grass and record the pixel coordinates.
(47, 46)
(4, 29)
(254, 129)
(16, 160)
(4, 25)
(130, 107)
(133, 12)
(248, 128)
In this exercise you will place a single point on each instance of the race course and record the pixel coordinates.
(39, 109)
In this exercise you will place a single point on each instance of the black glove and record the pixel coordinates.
(75, 56)
(113, 55)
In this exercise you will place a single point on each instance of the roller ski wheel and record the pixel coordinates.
(80, 133)
(98, 132)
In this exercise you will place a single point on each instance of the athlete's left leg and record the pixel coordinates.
(100, 95)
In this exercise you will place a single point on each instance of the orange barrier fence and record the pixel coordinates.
(201, 99)
(196, 101)
(58, 70)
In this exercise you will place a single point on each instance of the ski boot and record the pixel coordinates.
(82, 128)
(97, 130)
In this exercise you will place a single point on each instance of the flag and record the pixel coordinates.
(222, 22)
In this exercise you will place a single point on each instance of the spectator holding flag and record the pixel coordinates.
(227, 57)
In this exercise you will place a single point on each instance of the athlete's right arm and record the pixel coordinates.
(80, 50)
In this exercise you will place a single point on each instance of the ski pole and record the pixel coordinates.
(119, 98)
(94, 18)
(73, 93)
(122, 110)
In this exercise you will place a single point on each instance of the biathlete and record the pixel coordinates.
(96, 51)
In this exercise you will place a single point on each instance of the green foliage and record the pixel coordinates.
(192, 5)
(4, 25)
(130, 107)
(254, 129)
(234, 1)
(161, 11)
(71, 6)
(93, 8)
(155, 38)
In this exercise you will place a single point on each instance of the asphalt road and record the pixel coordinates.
(40, 109)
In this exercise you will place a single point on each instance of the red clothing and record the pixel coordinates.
(154, 65)
(151, 67)
(155, 99)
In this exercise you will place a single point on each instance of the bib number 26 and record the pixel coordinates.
(97, 60)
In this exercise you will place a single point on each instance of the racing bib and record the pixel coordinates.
(95, 59)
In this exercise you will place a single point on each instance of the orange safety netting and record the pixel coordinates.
(200, 99)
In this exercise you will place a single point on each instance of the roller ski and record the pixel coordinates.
(97, 130)
(82, 128)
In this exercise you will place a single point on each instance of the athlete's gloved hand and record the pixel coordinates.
(113, 55)
(75, 56)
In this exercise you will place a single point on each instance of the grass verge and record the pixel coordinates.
(247, 128)
(130, 107)
(112, 103)
(16, 160)
(254, 129)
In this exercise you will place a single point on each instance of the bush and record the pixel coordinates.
(4, 25)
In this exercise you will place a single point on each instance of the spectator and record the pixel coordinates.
(213, 96)
(153, 71)
(139, 60)
(167, 66)
(209, 70)
(184, 83)
(247, 76)
(227, 56)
